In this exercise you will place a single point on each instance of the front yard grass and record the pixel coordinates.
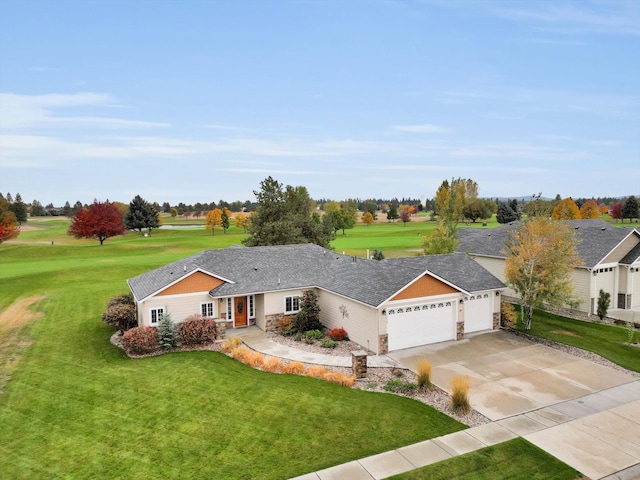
(75, 407)
(516, 459)
(608, 341)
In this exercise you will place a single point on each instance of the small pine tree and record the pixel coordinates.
(604, 300)
(378, 255)
(308, 318)
(167, 335)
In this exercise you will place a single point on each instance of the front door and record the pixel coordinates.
(240, 315)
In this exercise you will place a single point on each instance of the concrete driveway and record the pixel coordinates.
(510, 375)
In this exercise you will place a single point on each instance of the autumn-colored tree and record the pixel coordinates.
(367, 218)
(541, 254)
(405, 216)
(213, 220)
(615, 211)
(242, 220)
(589, 209)
(604, 210)
(174, 213)
(566, 210)
(100, 221)
(441, 240)
(9, 227)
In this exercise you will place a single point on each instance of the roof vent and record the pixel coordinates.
(255, 268)
(577, 227)
(603, 228)
(184, 268)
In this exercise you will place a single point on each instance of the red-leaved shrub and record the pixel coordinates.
(196, 330)
(140, 340)
(338, 334)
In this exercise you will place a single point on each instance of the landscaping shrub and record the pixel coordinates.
(460, 394)
(604, 301)
(315, 371)
(240, 353)
(126, 299)
(340, 378)
(273, 365)
(508, 316)
(121, 316)
(338, 334)
(396, 372)
(197, 330)
(424, 374)
(230, 344)
(286, 326)
(294, 368)
(308, 318)
(253, 359)
(398, 386)
(167, 336)
(140, 340)
(313, 335)
(620, 322)
(328, 343)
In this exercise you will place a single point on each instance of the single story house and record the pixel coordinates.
(383, 305)
(611, 258)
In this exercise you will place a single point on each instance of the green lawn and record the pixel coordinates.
(608, 341)
(75, 407)
(516, 459)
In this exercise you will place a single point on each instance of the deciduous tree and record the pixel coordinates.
(213, 220)
(615, 211)
(478, 208)
(441, 240)
(541, 255)
(100, 221)
(141, 215)
(589, 209)
(392, 214)
(405, 216)
(37, 210)
(566, 210)
(19, 209)
(367, 218)
(9, 227)
(242, 220)
(225, 219)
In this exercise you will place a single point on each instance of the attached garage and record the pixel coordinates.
(478, 313)
(421, 323)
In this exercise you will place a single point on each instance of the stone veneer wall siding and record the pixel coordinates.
(270, 321)
(459, 330)
(496, 320)
(359, 363)
(383, 344)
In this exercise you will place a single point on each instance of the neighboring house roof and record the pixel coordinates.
(250, 270)
(596, 239)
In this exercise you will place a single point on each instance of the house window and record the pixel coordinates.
(291, 304)
(252, 306)
(156, 315)
(229, 308)
(207, 310)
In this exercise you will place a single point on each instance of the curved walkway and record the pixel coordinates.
(256, 339)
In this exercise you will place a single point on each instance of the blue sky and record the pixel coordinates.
(198, 100)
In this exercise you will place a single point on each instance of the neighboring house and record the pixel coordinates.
(383, 305)
(611, 260)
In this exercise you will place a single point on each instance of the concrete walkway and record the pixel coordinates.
(597, 433)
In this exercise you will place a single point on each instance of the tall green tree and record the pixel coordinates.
(541, 255)
(37, 210)
(506, 214)
(285, 216)
(224, 218)
(629, 209)
(141, 215)
(19, 209)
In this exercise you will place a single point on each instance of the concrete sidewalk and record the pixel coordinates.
(586, 434)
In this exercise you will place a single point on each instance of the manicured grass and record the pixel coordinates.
(75, 407)
(608, 341)
(516, 459)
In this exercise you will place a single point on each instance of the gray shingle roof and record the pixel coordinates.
(250, 270)
(596, 239)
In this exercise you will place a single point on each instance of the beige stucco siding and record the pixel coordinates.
(274, 301)
(634, 286)
(179, 306)
(259, 299)
(621, 250)
(359, 320)
(495, 266)
(623, 276)
(582, 287)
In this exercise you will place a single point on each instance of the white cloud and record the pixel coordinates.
(23, 112)
(422, 128)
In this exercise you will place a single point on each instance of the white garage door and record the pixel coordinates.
(421, 324)
(478, 314)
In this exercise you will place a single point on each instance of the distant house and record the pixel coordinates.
(384, 305)
(611, 260)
